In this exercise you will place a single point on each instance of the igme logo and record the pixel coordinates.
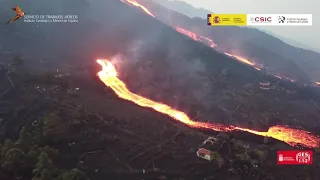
(281, 19)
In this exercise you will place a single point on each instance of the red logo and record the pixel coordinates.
(217, 20)
(294, 157)
(262, 19)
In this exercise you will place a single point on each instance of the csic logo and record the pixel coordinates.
(281, 19)
(261, 19)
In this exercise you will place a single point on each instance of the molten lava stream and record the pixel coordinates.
(241, 59)
(108, 75)
(210, 43)
(135, 3)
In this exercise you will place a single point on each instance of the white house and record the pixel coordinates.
(205, 154)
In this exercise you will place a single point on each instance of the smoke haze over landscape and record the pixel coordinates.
(305, 36)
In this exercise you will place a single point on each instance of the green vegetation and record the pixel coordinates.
(25, 158)
(218, 158)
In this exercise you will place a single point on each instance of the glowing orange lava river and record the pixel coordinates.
(108, 75)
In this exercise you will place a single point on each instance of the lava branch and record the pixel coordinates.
(135, 3)
(293, 137)
(210, 43)
(192, 35)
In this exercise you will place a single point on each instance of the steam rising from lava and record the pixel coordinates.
(108, 75)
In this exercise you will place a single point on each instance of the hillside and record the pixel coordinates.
(185, 8)
(65, 135)
(289, 41)
(241, 39)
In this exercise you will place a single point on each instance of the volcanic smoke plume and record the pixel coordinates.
(161, 72)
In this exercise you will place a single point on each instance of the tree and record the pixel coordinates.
(243, 156)
(44, 164)
(53, 126)
(218, 158)
(45, 175)
(49, 150)
(74, 174)
(14, 160)
(33, 154)
(6, 147)
(25, 140)
(260, 154)
(37, 133)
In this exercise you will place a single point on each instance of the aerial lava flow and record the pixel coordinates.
(108, 75)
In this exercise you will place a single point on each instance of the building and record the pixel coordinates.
(205, 154)
(264, 85)
(213, 147)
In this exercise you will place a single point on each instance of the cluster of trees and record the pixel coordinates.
(25, 159)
